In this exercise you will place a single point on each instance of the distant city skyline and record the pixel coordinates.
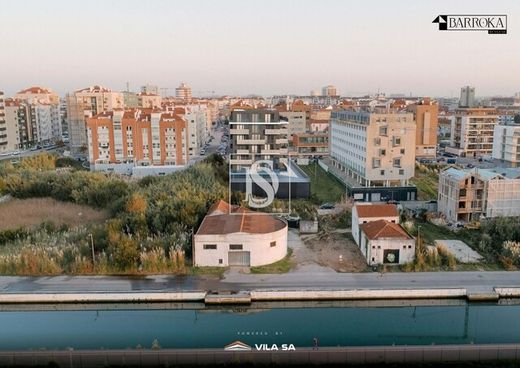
(256, 47)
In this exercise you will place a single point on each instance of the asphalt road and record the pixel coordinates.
(473, 281)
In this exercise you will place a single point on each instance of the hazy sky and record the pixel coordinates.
(265, 47)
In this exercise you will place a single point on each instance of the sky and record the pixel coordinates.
(267, 47)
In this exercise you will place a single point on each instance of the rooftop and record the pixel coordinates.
(382, 229)
(223, 218)
(376, 210)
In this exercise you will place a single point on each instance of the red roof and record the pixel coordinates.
(376, 210)
(382, 229)
(223, 218)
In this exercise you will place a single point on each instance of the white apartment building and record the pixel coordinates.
(506, 143)
(472, 132)
(4, 142)
(38, 94)
(374, 149)
(86, 103)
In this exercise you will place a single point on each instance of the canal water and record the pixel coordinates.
(115, 327)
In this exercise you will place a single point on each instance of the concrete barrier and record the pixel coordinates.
(508, 292)
(300, 356)
(239, 298)
(262, 295)
(98, 297)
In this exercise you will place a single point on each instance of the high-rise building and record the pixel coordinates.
(467, 97)
(472, 132)
(86, 103)
(183, 92)
(426, 115)
(38, 94)
(140, 137)
(329, 90)
(374, 149)
(257, 134)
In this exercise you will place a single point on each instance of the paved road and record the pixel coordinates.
(473, 281)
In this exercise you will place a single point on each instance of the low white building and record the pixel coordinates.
(384, 242)
(363, 213)
(234, 236)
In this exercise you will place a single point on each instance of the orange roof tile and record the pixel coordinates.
(376, 210)
(382, 229)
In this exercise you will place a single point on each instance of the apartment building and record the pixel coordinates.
(426, 116)
(506, 143)
(148, 100)
(310, 144)
(297, 122)
(329, 90)
(469, 194)
(86, 103)
(374, 149)
(257, 134)
(196, 117)
(183, 92)
(38, 94)
(467, 97)
(472, 131)
(138, 137)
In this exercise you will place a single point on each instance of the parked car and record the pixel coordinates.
(327, 206)
(451, 161)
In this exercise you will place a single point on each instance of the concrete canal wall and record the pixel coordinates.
(259, 295)
(300, 356)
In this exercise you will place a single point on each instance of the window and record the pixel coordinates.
(272, 244)
(376, 163)
(397, 162)
(235, 246)
(402, 151)
(401, 172)
(383, 130)
(382, 172)
(220, 261)
(377, 141)
(397, 141)
(210, 246)
(382, 152)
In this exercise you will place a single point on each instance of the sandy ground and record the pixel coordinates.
(309, 252)
(33, 211)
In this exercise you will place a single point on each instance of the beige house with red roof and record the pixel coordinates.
(235, 236)
(376, 230)
(384, 242)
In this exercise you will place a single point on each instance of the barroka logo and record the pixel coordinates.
(492, 23)
(270, 188)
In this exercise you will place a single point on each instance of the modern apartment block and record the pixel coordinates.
(38, 95)
(506, 143)
(138, 137)
(472, 131)
(374, 149)
(86, 103)
(310, 144)
(148, 100)
(183, 92)
(257, 134)
(469, 194)
(426, 114)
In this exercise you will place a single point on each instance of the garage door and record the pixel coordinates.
(239, 259)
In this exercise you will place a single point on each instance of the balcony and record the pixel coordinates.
(241, 161)
(250, 141)
(238, 131)
(281, 141)
(276, 131)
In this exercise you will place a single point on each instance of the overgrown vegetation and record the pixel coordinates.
(426, 180)
(150, 229)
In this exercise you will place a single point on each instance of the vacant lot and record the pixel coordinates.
(324, 186)
(32, 212)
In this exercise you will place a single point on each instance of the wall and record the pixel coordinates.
(257, 244)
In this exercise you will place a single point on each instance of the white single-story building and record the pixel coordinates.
(235, 236)
(363, 213)
(384, 242)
